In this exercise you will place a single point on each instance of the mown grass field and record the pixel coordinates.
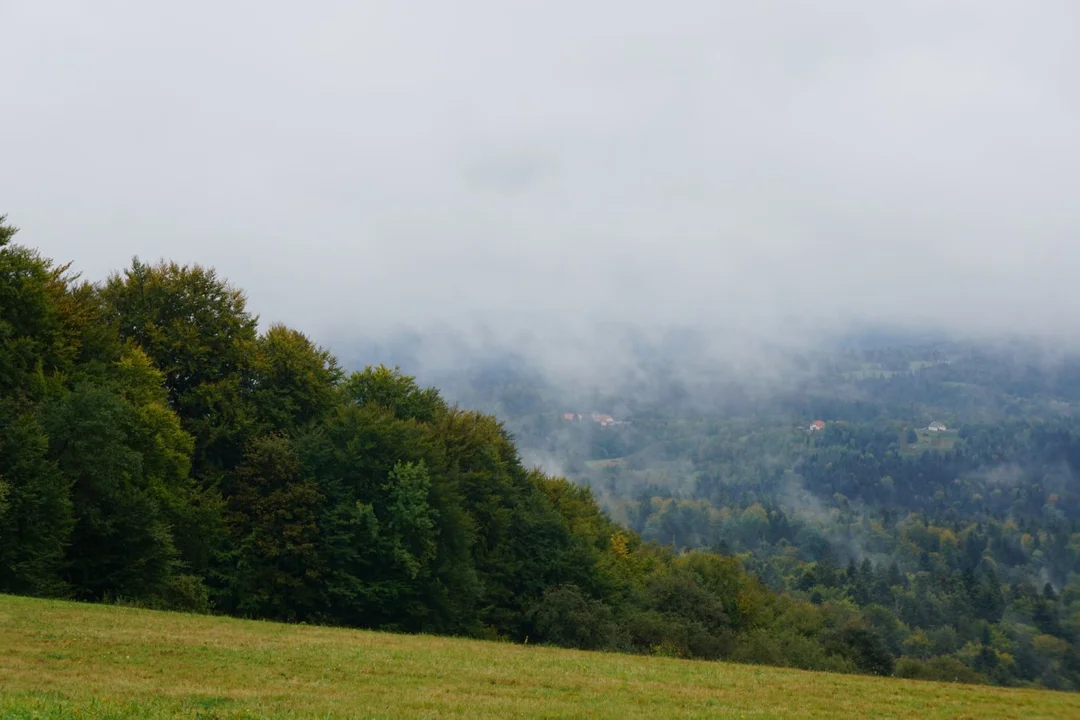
(70, 660)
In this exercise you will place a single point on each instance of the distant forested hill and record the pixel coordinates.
(907, 511)
(960, 543)
(158, 448)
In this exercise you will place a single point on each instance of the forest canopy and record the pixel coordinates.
(158, 448)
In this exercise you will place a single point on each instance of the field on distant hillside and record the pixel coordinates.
(939, 441)
(72, 660)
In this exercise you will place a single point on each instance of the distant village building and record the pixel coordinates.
(817, 425)
(937, 427)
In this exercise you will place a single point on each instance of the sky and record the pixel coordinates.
(777, 167)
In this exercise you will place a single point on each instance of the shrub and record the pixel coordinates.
(944, 669)
(567, 617)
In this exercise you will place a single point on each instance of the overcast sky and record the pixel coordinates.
(359, 164)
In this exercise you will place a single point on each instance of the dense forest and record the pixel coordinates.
(930, 484)
(157, 447)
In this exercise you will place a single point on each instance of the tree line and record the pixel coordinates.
(964, 555)
(961, 548)
(158, 448)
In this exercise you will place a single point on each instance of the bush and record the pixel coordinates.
(651, 630)
(675, 610)
(943, 669)
(768, 647)
(759, 648)
(187, 593)
(861, 645)
(671, 635)
(565, 616)
(183, 593)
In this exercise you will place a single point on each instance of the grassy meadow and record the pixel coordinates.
(931, 441)
(71, 660)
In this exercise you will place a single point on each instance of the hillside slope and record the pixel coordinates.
(60, 659)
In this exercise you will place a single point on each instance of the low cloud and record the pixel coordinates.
(766, 172)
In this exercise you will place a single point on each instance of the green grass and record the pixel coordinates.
(937, 441)
(70, 660)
